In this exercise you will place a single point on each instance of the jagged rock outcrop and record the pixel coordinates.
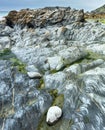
(44, 17)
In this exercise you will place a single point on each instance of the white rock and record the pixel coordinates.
(34, 75)
(56, 62)
(53, 114)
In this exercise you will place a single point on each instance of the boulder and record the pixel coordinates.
(53, 115)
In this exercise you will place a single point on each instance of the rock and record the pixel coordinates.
(4, 42)
(34, 75)
(44, 17)
(56, 63)
(53, 115)
(55, 81)
(31, 68)
(72, 54)
(74, 69)
(61, 31)
(100, 49)
(8, 30)
(69, 53)
(80, 68)
(22, 102)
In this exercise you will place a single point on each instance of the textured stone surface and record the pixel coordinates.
(44, 17)
(34, 75)
(69, 55)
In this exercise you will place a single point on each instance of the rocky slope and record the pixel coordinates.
(99, 10)
(98, 13)
(69, 56)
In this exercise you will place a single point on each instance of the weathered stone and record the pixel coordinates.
(44, 17)
(53, 115)
(4, 42)
(56, 63)
(31, 68)
(34, 75)
(70, 55)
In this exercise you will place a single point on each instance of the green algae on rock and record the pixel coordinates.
(6, 54)
(19, 65)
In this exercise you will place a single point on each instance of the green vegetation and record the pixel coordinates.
(102, 21)
(62, 124)
(6, 54)
(18, 64)
(58, 99)
(53, 71)
(96, 20)
(41, 85)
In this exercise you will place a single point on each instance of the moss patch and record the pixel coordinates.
(53, 93)
(102, 21)
(62, 124)
(59, 101)
(41, 84)
(6, 54)
(18, 64)
(53, 71)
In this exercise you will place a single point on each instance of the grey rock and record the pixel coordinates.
(4, 42)
(20, 99)
(56, 63)
(55, 81)
(34, 75)
(72, 54)
(31, 68)
(61, 42)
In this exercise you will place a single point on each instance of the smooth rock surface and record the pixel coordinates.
(34, 75)
(53, 114)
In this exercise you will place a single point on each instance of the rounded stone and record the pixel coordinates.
(54, 113)
(34, 75)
